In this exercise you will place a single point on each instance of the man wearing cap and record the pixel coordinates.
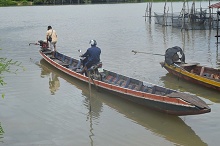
(92, 56)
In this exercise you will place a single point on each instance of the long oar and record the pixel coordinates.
(135, 52)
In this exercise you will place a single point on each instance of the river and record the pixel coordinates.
(43, 106)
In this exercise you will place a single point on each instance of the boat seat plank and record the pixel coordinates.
(75, 64)
(120, 82)
(159, 90)
(138, 88)
(190, 64)
(60, 62)
(131, 86)
(108, 79)
(115, 80)
(47, 52)
(127, 83)
(144, 89)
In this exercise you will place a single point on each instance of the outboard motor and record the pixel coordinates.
(172, 55)
(43, 44)
(94, 71)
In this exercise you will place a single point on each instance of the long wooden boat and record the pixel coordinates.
(192, 72)
(143, 93)
(150, 120)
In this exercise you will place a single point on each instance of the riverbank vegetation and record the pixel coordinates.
(6, 65)
(67, 2)
(15, 3)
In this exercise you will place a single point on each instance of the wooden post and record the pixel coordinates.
(164, 13)
(183, 15)
(150, 9)
(209, 16)
(217, 25)
(146, 12)
(172, 11)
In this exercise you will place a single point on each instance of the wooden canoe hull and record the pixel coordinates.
(192, 77)
(171, 105)
(161, 106)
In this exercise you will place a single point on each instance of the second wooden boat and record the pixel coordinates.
(192, 72)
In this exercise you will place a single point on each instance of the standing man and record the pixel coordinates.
(51, 37)
(92, 56)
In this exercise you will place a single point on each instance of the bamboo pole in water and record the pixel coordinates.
(146, 12)
(217, 25)
(172, 11)
(164, 13)
(209, 16)
(183, 15)
(150, 9)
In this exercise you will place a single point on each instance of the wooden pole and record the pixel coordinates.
(90, 94)
(146, 12)
(164, 13)
(217, 24)
(150, 9)
(172, 11)
(209, 16)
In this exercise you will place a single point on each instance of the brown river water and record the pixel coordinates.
(43, 106)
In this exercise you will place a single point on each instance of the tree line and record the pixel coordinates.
(58, 2)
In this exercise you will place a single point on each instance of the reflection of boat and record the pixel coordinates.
(147, 94)
(172, 82)
(206, 76)
(172, 128)
(48, 69)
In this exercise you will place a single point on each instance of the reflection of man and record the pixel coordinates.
(54, 83)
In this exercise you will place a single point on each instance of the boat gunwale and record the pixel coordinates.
(148, 96)
(127, 91)
(205, 80)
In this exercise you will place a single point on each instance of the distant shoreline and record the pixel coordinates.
(9, 3)
(40, 3)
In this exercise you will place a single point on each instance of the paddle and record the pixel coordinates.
(135, 52)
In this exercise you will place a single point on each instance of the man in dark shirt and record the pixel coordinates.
(92, 56)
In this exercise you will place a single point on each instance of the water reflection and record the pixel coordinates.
(96, 105)
(54, 82)
(1, 133)
(89, 118)
(218, 57)
(171, 128)
(175, 83)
